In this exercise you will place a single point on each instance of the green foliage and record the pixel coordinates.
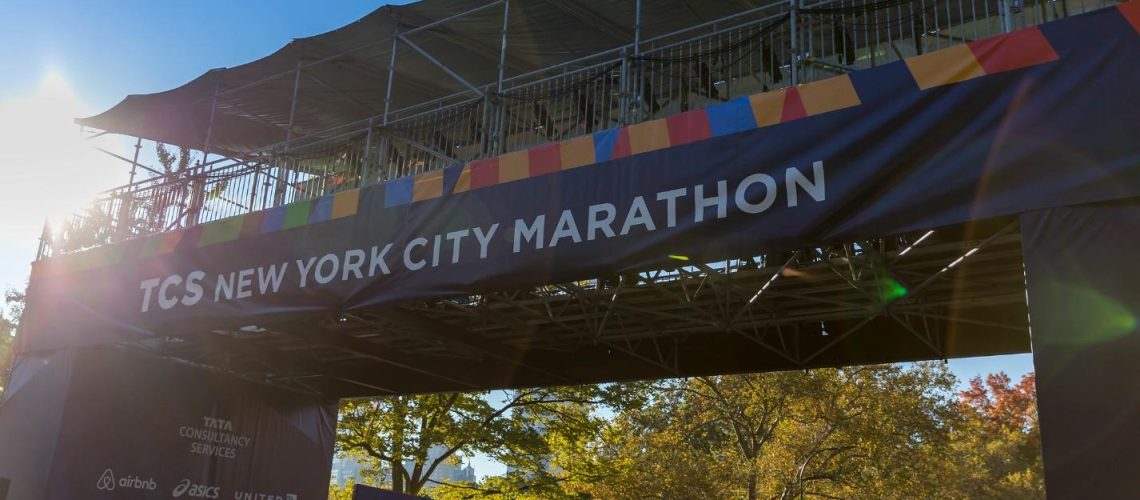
(9, 320)
(858, 432)
(394, 435)
(340, 493)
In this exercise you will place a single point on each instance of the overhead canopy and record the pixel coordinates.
(344, 73)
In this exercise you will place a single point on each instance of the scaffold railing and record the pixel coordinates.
(765, 48)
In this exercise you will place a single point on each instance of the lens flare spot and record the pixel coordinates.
(1091, 317)
(891, 290)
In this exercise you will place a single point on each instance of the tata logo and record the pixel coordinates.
(107, 482)
(217, 423)
(188, 489)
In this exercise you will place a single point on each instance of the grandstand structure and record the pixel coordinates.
(412, 89)
(457, 195)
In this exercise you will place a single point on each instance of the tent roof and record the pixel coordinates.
(344, 72)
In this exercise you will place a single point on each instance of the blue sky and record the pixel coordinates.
(69, 58)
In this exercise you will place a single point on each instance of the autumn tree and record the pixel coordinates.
(1000, 441)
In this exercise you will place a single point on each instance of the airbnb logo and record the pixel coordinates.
(106, 482)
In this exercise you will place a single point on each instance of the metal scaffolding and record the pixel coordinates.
(925, 295)
(765, 47)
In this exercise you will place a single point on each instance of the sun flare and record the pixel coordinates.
(49, 170)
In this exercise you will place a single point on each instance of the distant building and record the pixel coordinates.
(346, 470)
(445, 472)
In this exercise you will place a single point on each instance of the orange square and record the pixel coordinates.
(345, 203)
(768, 108)
(950, 65)
(828, 95)
(578, 152)
(648, 136)
(514, 166)
(428, 186)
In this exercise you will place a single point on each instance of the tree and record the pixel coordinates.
(1000, 440)
(395, 434)
(170, 201)
(868, 432)
(9, 320)
(177, 199)
(856, 432)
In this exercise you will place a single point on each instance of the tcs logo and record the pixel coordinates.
(188, 489)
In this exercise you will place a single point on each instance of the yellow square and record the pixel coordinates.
(828, 95)
(648, 136)
(345, 203)
(514, 166)
(577, 152)
(428, 186)
(950, 65)
(768, 107)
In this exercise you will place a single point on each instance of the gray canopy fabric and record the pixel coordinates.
(344, 73)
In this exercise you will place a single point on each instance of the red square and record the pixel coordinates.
(545, 159)
(622, 148)
(1131, 12)
(1019, 49)
(690, 126)
(484, 173)
(793, 106)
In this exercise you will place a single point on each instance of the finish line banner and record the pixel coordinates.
(1041, 117)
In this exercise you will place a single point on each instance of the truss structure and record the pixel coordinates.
(938, 294)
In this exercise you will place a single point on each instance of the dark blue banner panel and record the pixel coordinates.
(1038, 118)
(1084, 305)
(109, 423)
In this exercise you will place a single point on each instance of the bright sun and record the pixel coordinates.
(48, 170)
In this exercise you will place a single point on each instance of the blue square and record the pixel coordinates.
(604, 143)
(322, 210)
(451, 177)
(398, 192)
(274, 220)
(731, 117)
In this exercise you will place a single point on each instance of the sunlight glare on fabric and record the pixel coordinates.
(49, 170)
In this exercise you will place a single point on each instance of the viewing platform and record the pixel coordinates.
(409, 90)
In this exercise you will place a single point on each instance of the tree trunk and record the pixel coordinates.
(752, 486)
(397, 477)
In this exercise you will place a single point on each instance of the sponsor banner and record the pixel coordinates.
(141, 427)
(1042, 117)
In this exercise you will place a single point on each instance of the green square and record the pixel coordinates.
(297, 214)
(221, 231)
